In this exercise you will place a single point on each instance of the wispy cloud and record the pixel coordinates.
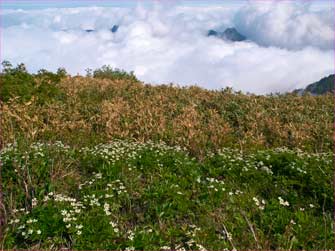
(289, 46)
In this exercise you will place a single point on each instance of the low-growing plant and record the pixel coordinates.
(130, 195)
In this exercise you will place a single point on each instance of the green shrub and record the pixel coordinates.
(108, 72)
(17, 82)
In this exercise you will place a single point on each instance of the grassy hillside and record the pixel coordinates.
(107, 162)
(90, 110)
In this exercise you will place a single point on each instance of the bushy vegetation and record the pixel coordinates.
(127, 195)
(90, 111)
(16, 82)
(107, 162)
(108, 72)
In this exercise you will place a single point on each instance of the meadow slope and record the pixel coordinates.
(107, 162)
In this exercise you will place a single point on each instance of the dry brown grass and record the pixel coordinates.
(97, 110)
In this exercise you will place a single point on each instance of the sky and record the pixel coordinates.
(289, 45)
(42, 4)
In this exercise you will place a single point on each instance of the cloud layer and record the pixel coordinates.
(289, 45)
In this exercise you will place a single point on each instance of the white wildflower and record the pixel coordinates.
(34, 202)
(282, 202)
(201, 248)
(165, 248)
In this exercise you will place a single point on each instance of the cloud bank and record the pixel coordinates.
(289, 45)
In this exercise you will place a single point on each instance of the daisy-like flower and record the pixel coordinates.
(131, 235)
(256, 201)
(29, 221)
(229, 236)
(34, 202)
(282, 202)
(106, 209)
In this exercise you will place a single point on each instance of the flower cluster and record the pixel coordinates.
(29, 228)
(107, 209)
(117, 186)
(131, 235)
(114, 225)
(237, 192)
(282, 202)
(215, 184)
(259, 204)
(92, 199)
(118, 150)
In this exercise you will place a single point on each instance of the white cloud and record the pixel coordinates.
(287, 25)
(166, 44)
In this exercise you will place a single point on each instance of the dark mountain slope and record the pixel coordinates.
(320, 87)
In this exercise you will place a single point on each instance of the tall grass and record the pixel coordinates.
(93, 110)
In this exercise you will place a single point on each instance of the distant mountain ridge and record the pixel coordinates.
(320, 87)
(113, 29)
(230, 34)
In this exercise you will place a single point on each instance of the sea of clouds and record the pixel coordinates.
(289, 44)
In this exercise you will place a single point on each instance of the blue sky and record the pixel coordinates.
(41, 4)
